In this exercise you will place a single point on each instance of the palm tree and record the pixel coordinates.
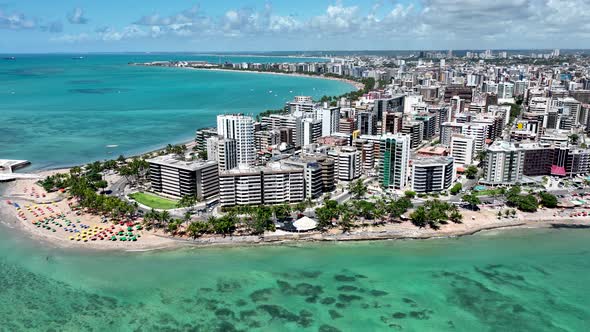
(187, 216)
(163, 217)
(300, 207)
(456, 216)
(358, 188)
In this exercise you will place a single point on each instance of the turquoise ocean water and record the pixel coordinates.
(529, 280)
(56, 111)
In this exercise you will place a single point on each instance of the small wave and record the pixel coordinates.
(112, 146)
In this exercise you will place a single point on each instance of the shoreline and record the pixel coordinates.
(474, 223)
(355, 84)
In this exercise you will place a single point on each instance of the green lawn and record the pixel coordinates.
(488, 192)
(153, 201)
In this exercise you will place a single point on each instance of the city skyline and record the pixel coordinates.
(85, 26)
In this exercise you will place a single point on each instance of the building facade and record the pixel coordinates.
(179, 178)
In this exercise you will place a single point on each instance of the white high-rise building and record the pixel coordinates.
(462, 149)
(330, 120)
(505, 90)
(478, 132)
(312, 130)
(347, 163)
(504, 164)
(241, 129)
(272, 184)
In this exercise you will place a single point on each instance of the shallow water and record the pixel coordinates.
(520, 280)
(57, 112)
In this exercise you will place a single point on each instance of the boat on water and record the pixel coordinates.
(78, 58)
(9, 58)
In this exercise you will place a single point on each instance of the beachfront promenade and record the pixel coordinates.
(7, 168)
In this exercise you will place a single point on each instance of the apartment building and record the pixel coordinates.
(178, 178)
(432, 174)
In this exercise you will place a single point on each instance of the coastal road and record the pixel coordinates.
(118, 187)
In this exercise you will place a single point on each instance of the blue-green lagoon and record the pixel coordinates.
(520, 280)
(56, 111)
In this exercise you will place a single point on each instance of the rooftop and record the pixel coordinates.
(428, 161)
(174, 161)
(272, 167)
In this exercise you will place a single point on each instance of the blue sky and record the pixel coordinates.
(255, 25)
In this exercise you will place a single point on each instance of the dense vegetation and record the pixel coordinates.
(527, 202)
(86, 183)
(434, 213)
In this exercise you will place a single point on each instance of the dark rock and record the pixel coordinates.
(328, 301)
(261, 295)
(334, 314)
(344, 278)
(347, 288)
(399, 315)
(328, 328)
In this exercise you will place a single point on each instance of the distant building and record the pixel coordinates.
(366, 122)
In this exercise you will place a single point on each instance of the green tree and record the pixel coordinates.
(471, 172)
(187, 201)
(164, 217)
(410, 194)
(574, 139)
(528, 203)
(225, 225)
(102, 184)
(282, 211)
(418, 217)
(197, 229)
(456, 188)
(358, 188)
(472, 200)
(300, 207)
(456, 216)
(187, 216)
(261, 220)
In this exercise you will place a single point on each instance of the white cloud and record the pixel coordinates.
(435, 23)
(16, 21)
(77, 16)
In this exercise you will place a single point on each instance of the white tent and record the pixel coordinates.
(305, 224)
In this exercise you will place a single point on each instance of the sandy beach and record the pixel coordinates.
(35, 204)
(357, 85)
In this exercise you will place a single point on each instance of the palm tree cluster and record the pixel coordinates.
(348, 214)
(434, 213)
(135, 171)
(85, 191)
(175, 149)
